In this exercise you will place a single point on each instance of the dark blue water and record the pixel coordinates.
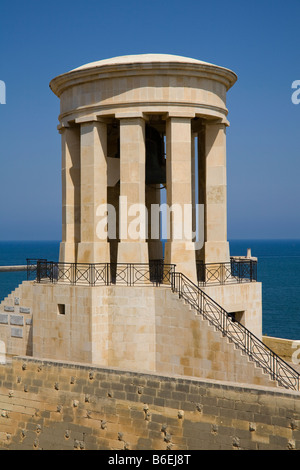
(15, 253)
(278, 270)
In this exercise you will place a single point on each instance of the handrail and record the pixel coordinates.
(233, 272)
(155, 272)
(32, 267)
(271, 363)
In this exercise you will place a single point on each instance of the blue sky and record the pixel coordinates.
(259, 40)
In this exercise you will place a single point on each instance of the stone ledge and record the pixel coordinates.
(193, 381)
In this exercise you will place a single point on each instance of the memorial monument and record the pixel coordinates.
(143, 141)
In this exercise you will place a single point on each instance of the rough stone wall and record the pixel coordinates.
(57, 406)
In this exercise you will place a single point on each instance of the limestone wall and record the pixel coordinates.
(57, 406)
(243, 299)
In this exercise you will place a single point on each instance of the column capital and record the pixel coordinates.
(180, 114)
(90, 119)
(217, 122)
(86, 119)
(61, 128)
(131, 115)
(65, 126)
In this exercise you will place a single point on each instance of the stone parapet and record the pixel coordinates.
(53, 405)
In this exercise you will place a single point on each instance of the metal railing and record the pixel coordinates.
(32, 267)
(256, 350)
(238, 270)
(155, 272)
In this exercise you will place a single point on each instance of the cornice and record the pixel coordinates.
(100, 72)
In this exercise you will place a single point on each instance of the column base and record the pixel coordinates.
(93, 252)
(67, 252)
(183, 255)
(133, 252)
(216, 252)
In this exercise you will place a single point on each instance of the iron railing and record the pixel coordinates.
(256, 350)
(238, 270)
(155, 272)
(32, 267)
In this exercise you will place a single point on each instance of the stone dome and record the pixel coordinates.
(142, 59)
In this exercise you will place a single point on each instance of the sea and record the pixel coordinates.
(278, 271)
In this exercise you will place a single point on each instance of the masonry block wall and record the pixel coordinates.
(60, 406)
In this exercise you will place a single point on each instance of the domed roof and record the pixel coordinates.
(141, 59)
(158, 62)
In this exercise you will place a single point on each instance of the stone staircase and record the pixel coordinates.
(271, 365)
(213, 356)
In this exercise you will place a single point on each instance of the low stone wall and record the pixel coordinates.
(52, 405)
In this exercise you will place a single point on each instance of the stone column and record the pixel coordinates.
(179, 248)
(93, 247)
(132, 247)
(70, 143)
(216, 247)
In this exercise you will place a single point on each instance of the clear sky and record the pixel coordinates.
(259, 40)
